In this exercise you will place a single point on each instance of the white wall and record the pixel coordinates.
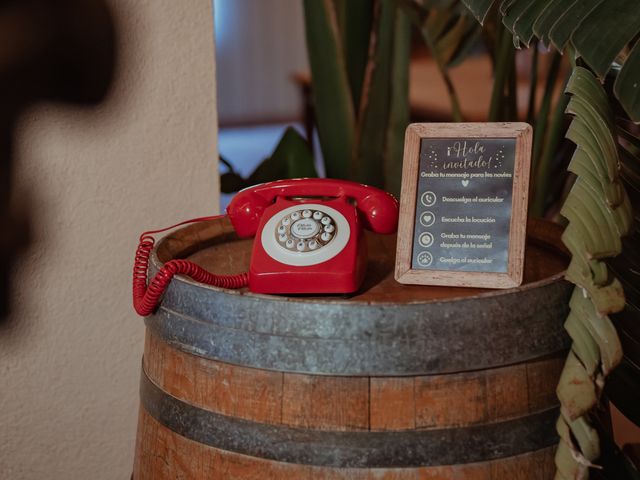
(70, 356)
(260, 43)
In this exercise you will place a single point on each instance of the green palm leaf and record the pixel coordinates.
(480, 8)
(599, 214)
(332, 97)
(604, 33)
(359, 58)
(354, 18)
(600, 31)
(627, 86)
(548, 17)
(569, 20)
(448, 31)
(523, 23)
(367, 165)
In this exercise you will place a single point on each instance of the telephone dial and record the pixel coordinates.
(308, 240)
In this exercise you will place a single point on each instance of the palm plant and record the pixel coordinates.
(359, 53)
(601, 38)
(359, 57)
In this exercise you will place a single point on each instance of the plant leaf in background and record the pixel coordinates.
(448, 32)
(548, 17)
(381, 122)
(599, 214)
(369, 151)
(354, 20)
(569, 19)
(291, 158)
(626, 87)
(359, 54)
(522, 23)
(399, 108)
(332, 97)
(373, 115)
(623, 386)
(605, 32)
(453, 30)
(595, 32)
(549, 119)
(598, 30)
(479, 8)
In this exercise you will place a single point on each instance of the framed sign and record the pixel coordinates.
(463, 204)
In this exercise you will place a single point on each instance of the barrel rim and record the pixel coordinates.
(391, 340)
(157, 264)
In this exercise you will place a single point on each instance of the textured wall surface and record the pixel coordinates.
(94, 179)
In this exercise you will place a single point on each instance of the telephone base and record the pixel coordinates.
(292, 284)
(334, 277)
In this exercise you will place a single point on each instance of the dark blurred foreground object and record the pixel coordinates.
(61, 50)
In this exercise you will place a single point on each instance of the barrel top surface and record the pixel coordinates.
(214, 246)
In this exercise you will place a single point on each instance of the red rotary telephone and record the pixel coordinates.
(308, 240)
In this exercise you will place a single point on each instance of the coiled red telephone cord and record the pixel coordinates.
(146, 298)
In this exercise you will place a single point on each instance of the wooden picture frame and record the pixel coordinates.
(412, 269)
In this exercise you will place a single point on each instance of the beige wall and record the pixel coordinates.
(70, 356)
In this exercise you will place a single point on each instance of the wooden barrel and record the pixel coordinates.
(395, 382)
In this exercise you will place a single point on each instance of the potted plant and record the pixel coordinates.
(359, 58)
(599, 37)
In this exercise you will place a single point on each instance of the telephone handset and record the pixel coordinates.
(308, 239)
